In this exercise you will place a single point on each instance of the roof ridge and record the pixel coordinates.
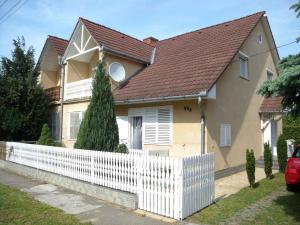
(98, 24)
(218, 24)
(52, 36)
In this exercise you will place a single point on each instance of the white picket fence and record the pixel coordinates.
(173, 187)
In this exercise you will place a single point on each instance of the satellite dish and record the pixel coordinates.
(117, 71)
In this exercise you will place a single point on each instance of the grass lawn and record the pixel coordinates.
(17, 207)
(284, 210)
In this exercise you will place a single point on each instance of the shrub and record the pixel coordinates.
(268, 160)
(250, 167)
(46, 138)
(122, 148)
(282, 152)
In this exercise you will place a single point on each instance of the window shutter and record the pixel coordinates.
(225, 135)
(164, 125)
(75, 119)
(150, 126)
(122, 122)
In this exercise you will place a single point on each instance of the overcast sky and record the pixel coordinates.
(139, 18)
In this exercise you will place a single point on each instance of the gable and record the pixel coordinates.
(80, 42)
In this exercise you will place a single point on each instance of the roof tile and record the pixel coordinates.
(189, 63)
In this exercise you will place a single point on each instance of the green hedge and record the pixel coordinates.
(292, 132)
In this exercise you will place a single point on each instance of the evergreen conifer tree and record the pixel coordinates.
(46, 137)
(99, 129)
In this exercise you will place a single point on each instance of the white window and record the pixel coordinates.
(225, 135)
(157, 124)
(269, 75)
(75, 119)
(244, 70)
(259, 39)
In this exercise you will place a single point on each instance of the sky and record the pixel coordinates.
(36, 19)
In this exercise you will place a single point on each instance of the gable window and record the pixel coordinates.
(244, 70)
(269, 75)
(259, 39)
(75, 119)
(225, 135)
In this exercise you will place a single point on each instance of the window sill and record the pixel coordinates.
(244, 78)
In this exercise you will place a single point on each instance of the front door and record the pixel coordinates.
(136, 132)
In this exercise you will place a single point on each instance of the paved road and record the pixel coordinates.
(82, 206)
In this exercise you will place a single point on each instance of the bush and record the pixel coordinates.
(282, 152)
(250, 167)
(268, 160)
(46, 138)
(122, 148)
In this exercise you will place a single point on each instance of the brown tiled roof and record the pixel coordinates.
(189, 63)
(118, 41)
(58, 44)
(272, 104)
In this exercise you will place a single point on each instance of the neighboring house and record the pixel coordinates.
(188, 94)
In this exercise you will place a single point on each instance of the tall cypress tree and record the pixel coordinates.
(99, 129)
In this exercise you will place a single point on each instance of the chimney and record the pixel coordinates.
(150, 41)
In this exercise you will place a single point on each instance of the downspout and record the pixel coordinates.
(62, 88)
(202, 123)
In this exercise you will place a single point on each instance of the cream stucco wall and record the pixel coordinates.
(49, 78)
(79, 106)
(238, 104)
(186, 125)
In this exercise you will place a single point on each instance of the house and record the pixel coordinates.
(188, 94)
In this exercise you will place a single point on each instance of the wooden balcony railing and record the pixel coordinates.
(53, 93)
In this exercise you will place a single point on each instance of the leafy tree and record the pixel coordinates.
(287, 84)
(99, 129)
(46, 137)
(268, 160)
(250, 167)
(23, 103)
(296, 8)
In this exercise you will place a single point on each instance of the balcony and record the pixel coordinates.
(78, 89)
(53, 93)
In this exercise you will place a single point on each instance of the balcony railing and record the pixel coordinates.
(53, 93)
(78, 89)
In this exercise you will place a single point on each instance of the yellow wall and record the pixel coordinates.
(186, 126)
(238, 104)
(80, 106)
(76, 71)
(49, 78)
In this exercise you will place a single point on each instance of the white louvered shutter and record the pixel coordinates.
(150, 126)
(164, 121)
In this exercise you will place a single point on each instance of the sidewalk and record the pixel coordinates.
(86, 208)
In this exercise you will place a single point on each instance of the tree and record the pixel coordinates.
(46, 137)
(250, 167)
(99, 129)
(23, 104)
(296, 8)
(287, 84)
(282, 152)
(268, 160)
